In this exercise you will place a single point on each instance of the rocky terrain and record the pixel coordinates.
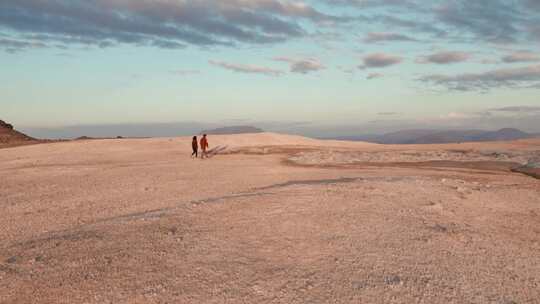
(9, 137)
(269, 218)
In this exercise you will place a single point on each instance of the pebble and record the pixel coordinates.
(11, 260)
(393, 280)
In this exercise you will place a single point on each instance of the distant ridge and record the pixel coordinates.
(441, 137)
(233, 130)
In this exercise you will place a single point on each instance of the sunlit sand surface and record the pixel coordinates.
(269, 218)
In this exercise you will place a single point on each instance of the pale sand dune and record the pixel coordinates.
(139, 221)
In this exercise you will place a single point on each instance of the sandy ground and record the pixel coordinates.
(269, 219)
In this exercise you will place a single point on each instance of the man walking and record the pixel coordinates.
(204, 146)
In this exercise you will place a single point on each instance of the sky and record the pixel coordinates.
(338, 67)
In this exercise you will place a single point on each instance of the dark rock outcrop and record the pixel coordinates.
(4, 125)
(10, 136)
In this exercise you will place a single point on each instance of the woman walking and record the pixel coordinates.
(195, 147)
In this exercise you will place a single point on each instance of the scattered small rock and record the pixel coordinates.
(393, 280)
(440, 228)
(359, 284)
(12, 260)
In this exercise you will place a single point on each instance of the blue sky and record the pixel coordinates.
(356, 64)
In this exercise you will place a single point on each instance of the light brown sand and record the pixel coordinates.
(139, 221)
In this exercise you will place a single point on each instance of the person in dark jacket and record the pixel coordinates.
(195, 147)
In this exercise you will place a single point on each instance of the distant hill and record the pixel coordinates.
(439, 137)
(403, 137)
(10, 137)
(8, 134)
(233, 130)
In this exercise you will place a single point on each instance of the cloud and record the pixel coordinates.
(302, 66)
(414, 26)
(374, 76)
(245, 68)
(456, 115)
(488, 20)
(380, 60)
(15, 46)
(517, 109)
(374, 3)
(388, 113)
(177, 24)
(384, 36)
(484, 20)
(500, 78)
(533, 4)
(445, 58)
(521, 56)
(494, 21)
(163, 24)
(489, 61)
(534, 32)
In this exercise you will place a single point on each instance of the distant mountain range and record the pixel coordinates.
(439, 137)
(233, 130)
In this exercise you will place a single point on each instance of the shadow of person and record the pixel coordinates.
(216, 150)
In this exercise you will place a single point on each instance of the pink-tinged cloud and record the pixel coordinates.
(384, 36)
(302, 65)
(521, 56)
(380, 60)
(247, 68)
(445, 58)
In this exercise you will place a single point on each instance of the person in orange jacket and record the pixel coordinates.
(204, 146)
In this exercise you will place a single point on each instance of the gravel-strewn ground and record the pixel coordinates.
(138, 221)
(350, 157)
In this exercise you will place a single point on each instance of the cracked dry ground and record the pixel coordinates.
(148, 225)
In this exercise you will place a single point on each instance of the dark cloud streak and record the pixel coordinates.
(165, 24)
(501, 78)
